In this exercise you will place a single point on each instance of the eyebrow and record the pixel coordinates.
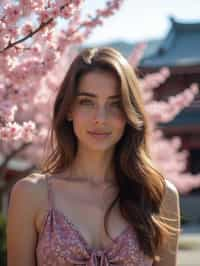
(94, 95)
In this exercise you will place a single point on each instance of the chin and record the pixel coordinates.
(101, 147)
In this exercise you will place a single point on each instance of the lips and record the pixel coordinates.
(98, 133)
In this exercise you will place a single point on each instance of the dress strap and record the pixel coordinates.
(49, 191)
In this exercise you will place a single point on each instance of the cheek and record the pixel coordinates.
(120, 123)
(80, 121)
(80, 116)
(121, 119)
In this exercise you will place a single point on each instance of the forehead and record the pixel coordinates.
(99, 83)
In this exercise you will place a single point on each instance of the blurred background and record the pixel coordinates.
(162, 35)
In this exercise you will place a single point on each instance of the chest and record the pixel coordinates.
(86, 211)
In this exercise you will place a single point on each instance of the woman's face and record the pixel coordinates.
(98, 109)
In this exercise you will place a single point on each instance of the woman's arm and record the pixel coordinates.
(21, 233)
(171, 210)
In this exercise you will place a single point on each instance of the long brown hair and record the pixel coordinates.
(141, 186)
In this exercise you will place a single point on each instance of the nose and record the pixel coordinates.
(100, 115)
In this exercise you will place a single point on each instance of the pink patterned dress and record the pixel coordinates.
(60, 243)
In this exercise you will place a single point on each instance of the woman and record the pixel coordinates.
(98, 199)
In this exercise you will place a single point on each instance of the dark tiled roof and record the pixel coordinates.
(181, 47)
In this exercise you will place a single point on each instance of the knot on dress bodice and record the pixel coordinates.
(98, 257)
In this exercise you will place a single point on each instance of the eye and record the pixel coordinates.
(117, 104)
(85, 102)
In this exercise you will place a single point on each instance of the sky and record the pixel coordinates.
(141, 20)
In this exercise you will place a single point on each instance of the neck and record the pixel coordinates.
(94, 168)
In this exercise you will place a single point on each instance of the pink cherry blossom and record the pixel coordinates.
(11, 131)
(27, 28)
(44, 15)
(7, 111)
(12, 13)
(28, 131)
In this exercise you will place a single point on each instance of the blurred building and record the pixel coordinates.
(180, 52)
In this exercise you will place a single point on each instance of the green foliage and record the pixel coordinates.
(2, 240)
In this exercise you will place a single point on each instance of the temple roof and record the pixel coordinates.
(180, 47)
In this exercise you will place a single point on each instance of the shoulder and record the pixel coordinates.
(21, 231)
(170, 215)
(29, 184)
(171, 192)
(28, 192)
(170, 205)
